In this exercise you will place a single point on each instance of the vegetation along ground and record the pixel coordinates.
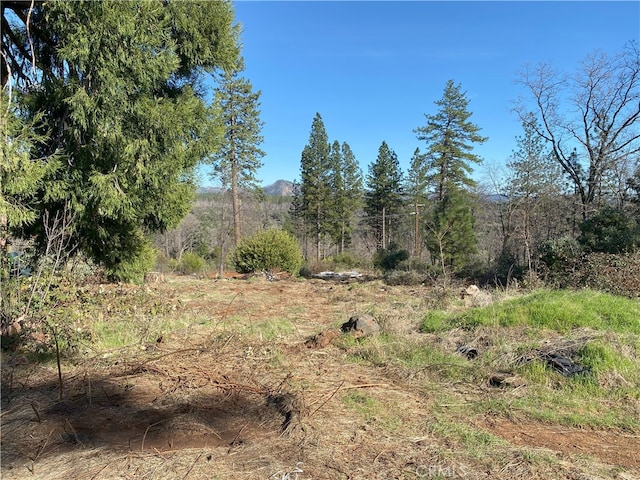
(197, 378)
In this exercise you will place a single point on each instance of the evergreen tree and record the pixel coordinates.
(352, 196)
(296, 223)
(450, 232)
(336, 183)
(417, 181)
(21, 175)
(117, 85)
(346, 184)
(238, 160)
(450, 138)
(383, 195)
(315, 182)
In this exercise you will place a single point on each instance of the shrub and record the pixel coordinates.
(191, 263)
(609, 231)
(616, 274)
(389, 258)
(399, 277)
(269, 250)
(562, 258)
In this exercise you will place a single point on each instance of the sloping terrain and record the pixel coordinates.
(219, 380)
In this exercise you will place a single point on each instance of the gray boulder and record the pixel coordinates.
(361, 326)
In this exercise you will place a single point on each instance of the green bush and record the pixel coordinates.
(390, 258)
(269, 250)
(610, 231)
(562, 258)
(191, 263)
(616, 274)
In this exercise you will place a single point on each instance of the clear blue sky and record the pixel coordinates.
(374, 69)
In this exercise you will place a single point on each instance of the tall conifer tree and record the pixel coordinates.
(417, 185)
(238, 160)
(346, 184)
(383, 195)
(450, 138)
(315, 182)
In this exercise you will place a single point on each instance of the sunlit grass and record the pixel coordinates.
(476, 442)
(120, 331)
(557, 310)
(271, 328)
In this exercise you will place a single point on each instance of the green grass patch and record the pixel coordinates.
(559, 310)
(388, 349)
(272, 328)
(362, 403)
(120, 331)
(580, 406)
(373, 410)
(476, 442)
(602, 358)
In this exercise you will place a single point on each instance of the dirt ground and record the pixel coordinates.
(240, 394)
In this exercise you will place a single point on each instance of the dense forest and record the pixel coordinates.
(106, 116)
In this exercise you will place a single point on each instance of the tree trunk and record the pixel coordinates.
(235, 201)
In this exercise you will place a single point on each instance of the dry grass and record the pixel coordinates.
(231, 390)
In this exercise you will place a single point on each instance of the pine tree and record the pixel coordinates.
(238, 160)
(336, 183)
(295, 224)
(352, 196)
(450, 138)
(118, 87)
(383, 195)
(450, 232)
(346, 184)
(315, 182)
(21, 175)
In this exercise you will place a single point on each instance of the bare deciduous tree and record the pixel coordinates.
(590, 119)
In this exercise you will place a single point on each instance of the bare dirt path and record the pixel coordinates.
(612, 447)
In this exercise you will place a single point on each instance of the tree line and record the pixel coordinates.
(570, 183)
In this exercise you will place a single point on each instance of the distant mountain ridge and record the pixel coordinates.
(280, 188)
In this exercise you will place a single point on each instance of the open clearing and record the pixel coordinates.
(228, 387)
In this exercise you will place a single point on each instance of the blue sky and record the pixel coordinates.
(374, 69)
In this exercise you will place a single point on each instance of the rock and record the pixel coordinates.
(361, 326)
